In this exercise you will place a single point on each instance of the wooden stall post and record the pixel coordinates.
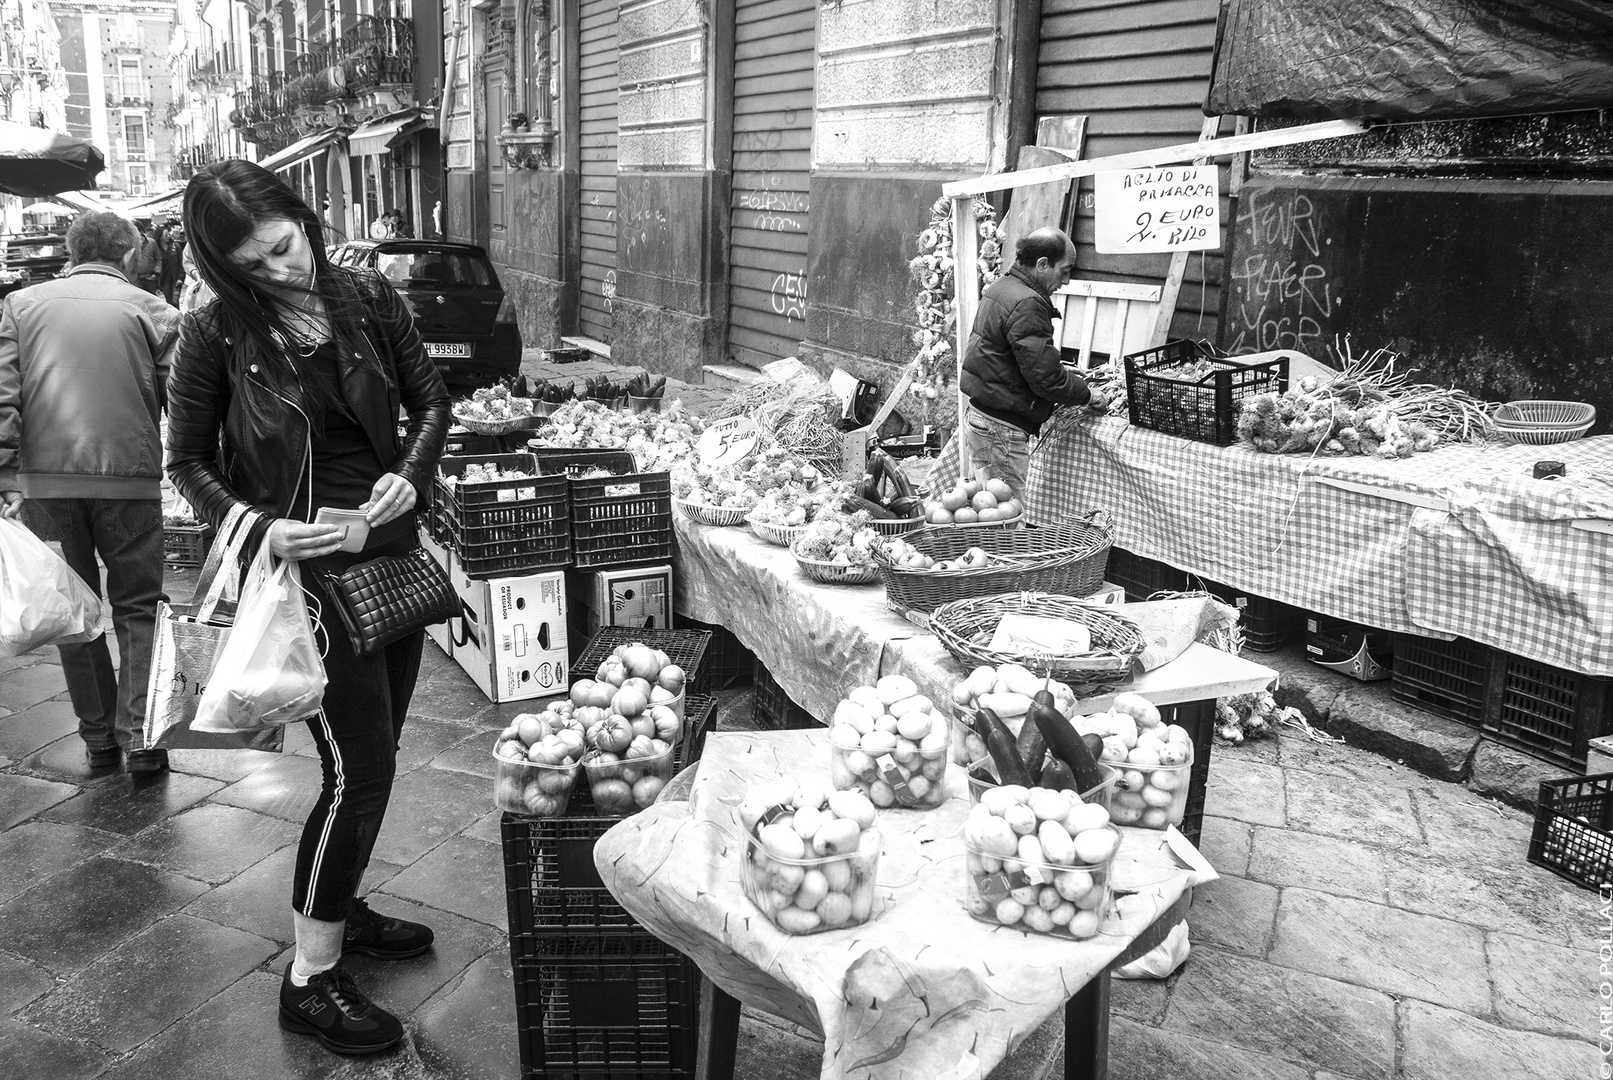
(966, 298)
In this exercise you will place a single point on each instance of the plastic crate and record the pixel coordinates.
(1573, 834)
(1544, 711)
(186, 545)
(1448, 678)
(619, 520)
(1198, 717)
(686, 648)
(1267, 625)
(772, 709)
(1205, 410)
(1141, 576)
(730, 663)
(607, 1006)
(502, 527)
(462, 443)
(551, 884)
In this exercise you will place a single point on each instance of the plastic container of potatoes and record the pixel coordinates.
(807, 895)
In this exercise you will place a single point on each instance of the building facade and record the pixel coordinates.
(33, 86)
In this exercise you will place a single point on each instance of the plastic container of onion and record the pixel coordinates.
(1040, 865)
(905, 767)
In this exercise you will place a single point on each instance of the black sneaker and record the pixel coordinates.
(382, 937)
(146, 761)
(106, 757)
(334, 1011)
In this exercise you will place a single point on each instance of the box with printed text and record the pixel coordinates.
(510, 636)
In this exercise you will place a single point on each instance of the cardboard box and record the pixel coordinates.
(1348, 648)
(639, 597)
(511, 634)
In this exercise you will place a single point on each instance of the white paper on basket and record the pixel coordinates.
(1188, 854)
(1039, 633)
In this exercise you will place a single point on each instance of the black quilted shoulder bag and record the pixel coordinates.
(388, 598)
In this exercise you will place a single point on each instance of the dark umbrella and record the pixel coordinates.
(38, 162)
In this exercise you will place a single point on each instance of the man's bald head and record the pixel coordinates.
(1049, 243)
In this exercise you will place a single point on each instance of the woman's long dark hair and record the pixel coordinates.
(225, 203)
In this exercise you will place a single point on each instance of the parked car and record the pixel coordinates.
(463, 315)
(28, 260)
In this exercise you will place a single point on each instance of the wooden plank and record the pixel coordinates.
(1033, 208)
(966, 290)
(1164, 155)
(1173, 278)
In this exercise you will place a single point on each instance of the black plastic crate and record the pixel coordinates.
(1448, 678)
(607, 1006)
(501, 550)
(502, 527)
(1141, 576)
(463, 443)
(730, 663)
(186, 545)
(686, 648)
(551, 885)
(1198, 717)
(1573, 834)
(1544, 711)
(624, 519)
(772, 709)
(1205, 409)
(1267, 624)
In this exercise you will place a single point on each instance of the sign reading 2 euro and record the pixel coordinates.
(1137, 211)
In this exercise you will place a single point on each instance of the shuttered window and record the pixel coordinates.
(773, 75)
(1139, 70)
(597, 136)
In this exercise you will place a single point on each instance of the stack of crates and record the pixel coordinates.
(596, 994)
(773, 710)
(1141, 576)
(501, 528)
(1546, 712)
(623, 519)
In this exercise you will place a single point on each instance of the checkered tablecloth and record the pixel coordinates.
(1503, 567)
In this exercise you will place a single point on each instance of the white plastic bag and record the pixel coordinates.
(269, 671)
(1161, 960)
(42, 601)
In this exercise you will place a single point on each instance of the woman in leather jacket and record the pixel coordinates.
(285, 396)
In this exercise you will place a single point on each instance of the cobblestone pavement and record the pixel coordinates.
(1371, 923)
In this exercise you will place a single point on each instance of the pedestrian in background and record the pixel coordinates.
(83, 367)
(172, 275)
(299, 369)
(148, 259)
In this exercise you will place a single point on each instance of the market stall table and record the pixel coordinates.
(922, 989)
(1460, 541)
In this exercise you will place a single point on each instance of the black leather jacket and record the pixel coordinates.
(268, 473)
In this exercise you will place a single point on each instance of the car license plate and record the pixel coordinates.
(447, 348)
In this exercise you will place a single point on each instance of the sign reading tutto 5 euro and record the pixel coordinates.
(1145, 210)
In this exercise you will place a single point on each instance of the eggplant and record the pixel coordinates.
(906, 506)
(1094, 745)
(1057, 775)
(1004, 753)
(1063, 741)
(1032, 748)
(854, 503)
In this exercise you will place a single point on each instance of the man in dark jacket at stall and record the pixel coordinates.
(1012, 374)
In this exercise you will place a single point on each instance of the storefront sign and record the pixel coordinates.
(1146, 210)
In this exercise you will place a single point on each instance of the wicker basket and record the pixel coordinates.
(1541, 436)
(782, 535)
(1546, 414)
(1067, 559)
(834, 573)
(1008, 523)
(707, 514)
(529, 422)
(901, 526)
(965, 626)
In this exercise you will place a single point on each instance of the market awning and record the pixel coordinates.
(38, 161)
(168, 200)
(380, 136)
(1433, 60)
(301, 150)
(80, 201)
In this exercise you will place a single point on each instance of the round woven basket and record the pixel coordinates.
(1009, 523)
(1542, 436)
(707, 514)
(782, 535)
(529, 422)
(1543, 414)
(1065, 559)
(898, 526)
(965, 627)
(834, 573)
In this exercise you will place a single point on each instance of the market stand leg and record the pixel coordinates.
(719, 1033)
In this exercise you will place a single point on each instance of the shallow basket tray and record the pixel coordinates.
(901, 526)
(1065, 559)
(782, 535)
(1009, 523)
(529, 422)
(964, 627)
(707, 514)
(1531, 436)
(834, 574)
(1553, 414)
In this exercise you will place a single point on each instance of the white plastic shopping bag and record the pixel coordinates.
(42, 601)
(269, 670)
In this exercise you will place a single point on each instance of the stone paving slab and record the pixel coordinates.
(1443, 1043)
(1372, 945)
(21, 981)
(460, 875)
(1372, 814)
(467, 1029)
(1294, 1015)
(127, 804)
(40, 1055)
(30, 730)
(211, 842)
(426, 808)
(1544, 988)
(32, 852)
(149, 981)
(22, 797)
(1315, 861)
(1235, 914)
(1140, 1052)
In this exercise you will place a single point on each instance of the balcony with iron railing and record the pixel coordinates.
(372, 53)
(215, 70)
(187, 159)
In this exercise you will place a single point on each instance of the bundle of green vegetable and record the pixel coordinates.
(1369, 409)
(645, 385)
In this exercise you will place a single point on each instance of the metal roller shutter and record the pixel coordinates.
(597, 135)
(773, 78)
(1139, 70)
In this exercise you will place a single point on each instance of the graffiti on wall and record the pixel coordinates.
(788, 297)
(1285, 292)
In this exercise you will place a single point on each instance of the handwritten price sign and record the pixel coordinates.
(728, 442)
(1145, 210)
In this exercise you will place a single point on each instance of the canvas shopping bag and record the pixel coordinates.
(186, 645)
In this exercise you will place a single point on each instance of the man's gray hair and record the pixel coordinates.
(100, 236)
